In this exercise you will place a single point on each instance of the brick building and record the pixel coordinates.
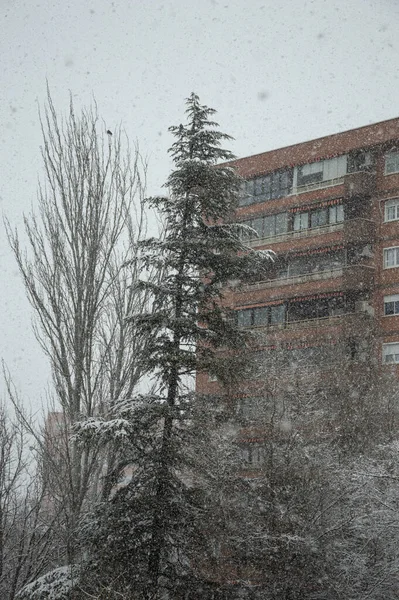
(329, 209)
(325, 320)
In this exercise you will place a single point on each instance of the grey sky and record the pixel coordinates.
(277, 72)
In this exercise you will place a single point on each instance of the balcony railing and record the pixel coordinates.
(303, 233)
(361, 183)
(357, 229)
(318, 185)
(316, 276)
(354, 275)
(349, 319)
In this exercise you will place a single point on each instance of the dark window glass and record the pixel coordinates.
(389, 308)
(246, 193)
(336, 306)
(318, 218)
(301, 221)
(360, 160)
(269, 226)
(244, 318)
(260, 185)
(275, 188)
(261, 316)
(286, 178)
(392, 162)
(391, 305)
(267, 187)
(277, 314)
(257, 224)
(308, 174)
(336, 214)
(281, 223)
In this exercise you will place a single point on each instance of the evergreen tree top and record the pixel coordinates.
(199, 139)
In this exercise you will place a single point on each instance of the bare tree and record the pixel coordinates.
(90, 218)
(26, 536)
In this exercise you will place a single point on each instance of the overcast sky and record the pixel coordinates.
(278, 72)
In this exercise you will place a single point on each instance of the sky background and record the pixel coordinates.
(278, 73)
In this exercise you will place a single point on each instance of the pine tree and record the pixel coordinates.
(201, 252)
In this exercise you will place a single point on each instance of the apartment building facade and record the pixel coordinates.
(329, 209)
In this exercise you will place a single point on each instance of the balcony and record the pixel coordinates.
(357, 277)
(293, 235)
(359, 231)
(298, 279)
(351, 321)
(362, 183)
(355, 230)
(318, 185)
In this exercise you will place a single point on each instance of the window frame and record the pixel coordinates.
(360, 160)
(389, 203)
(248, 408)
(395, 154)
(252, 454)
(385, 251)
(270, 220)
(338, 211)
(269, 186)
(311, 216)
(301, 218)
(317, 216)
(391, 299)
(310, 180)
(268, 322)
(385, 354)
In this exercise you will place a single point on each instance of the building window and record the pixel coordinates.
(360, 160)
(319, 174)
(336, 214)
(392, 210)
(391, 163)
(319, 217)
(316, 263)
(391, 305)
(390, 353)
(266, 187)
(268, 226)
(261, 316)
(277, 314)
(257, 224)
(244, 317)
(311, 173)
(253, 455)
(316, 309)
(391, 257)
(249, 408)
(301, 221)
